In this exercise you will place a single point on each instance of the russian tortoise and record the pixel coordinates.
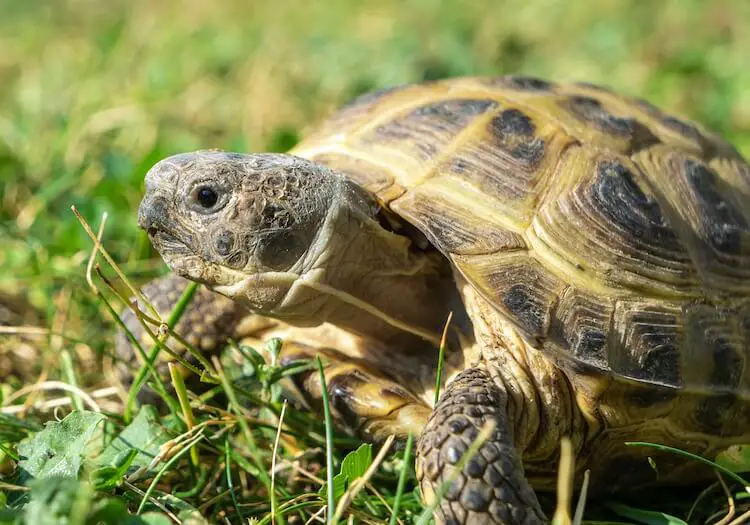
(594, 251)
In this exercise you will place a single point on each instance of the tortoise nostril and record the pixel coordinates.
(153, 214)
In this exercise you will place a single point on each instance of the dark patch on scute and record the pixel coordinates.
(723, 225)
(590, 345)
(525, 83)
(524, 309)
(661, 362)
(475, 467)
(476, 498)
(648, 346)
(729, 364)
(683, 128)
(618, 196)
(529, 153)
(514, 132)
(650, 395)
(512, 122)
(458, 424)
(591, 111)
(373, 96)
(594, 87)
(427, 128)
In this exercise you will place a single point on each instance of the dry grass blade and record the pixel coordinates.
(98, 247)
(564, 483)
(59, 402)
(54, 385)
(274, 502)
(441, 358)
(731, 509)
(581, 506)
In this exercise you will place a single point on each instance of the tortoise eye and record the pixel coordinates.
(205, 197)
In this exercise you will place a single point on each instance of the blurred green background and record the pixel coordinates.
(93, 92)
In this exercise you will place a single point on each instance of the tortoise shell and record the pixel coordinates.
(613, 235)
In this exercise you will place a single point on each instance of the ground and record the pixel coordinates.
(92, 93)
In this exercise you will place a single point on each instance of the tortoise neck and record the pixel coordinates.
(373, 282)
(380, 286)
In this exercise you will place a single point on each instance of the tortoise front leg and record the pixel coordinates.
(369, 403)
(491, 488)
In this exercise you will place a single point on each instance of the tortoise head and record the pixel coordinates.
(246, 225)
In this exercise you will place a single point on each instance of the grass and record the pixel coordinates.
(93, 93)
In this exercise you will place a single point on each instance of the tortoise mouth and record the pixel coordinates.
(168, 243)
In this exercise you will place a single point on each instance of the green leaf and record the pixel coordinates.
(648, 517)
(339, 487)
(109, 511)
(144, 434)
(10, 517)
(355, 464)
(60, 449)
(110, 477)
(53, 501)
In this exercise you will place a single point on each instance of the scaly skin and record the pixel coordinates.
(491, 488)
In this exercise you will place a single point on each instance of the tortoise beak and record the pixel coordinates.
(153, 214)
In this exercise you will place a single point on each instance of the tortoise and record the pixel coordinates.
(593, 250)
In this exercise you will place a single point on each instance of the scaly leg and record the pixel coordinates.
(369, 403)
(491, 488)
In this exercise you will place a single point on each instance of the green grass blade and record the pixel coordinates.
(647, 517)
(230, 484)
(441, 359)
(402, 479)
(242, 422)
(70, 378)
(188, 446)
(174, 316)
(158, 383)
(739, 479)
(329, 442)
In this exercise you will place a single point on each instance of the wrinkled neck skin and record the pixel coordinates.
(369, 281)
